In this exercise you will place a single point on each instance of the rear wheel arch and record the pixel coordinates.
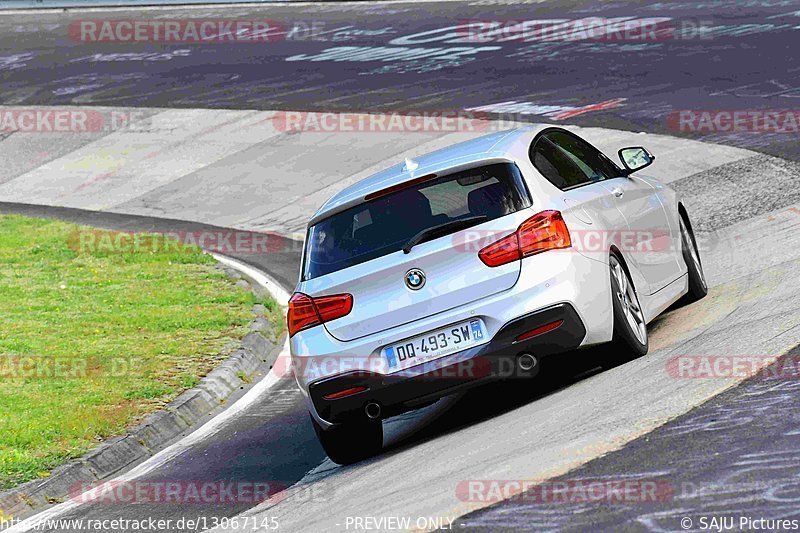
(628, 340)
(685, 216)
(615, 251)
(698, 286)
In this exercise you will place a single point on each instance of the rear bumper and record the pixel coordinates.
(415, 386)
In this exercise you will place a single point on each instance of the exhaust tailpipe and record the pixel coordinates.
(526, 362)
(373, 410)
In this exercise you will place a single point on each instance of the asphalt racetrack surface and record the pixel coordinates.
(706, 56)
(734, 455)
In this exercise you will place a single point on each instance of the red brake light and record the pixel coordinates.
(399, 187)
(306, 312)
(302, 313)
(501, 252)
(331, 307)
(543, 231)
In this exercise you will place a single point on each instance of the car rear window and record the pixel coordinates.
(384, 225)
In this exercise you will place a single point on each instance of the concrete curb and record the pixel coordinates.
(258, 351)
(207, 166)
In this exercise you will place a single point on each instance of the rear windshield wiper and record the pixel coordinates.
(428, 233)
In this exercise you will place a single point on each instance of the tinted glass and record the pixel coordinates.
(568, 161)
(385, 224)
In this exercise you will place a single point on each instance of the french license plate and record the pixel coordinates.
(434, 344)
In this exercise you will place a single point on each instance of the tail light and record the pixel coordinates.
(306, 312)
(543, 231)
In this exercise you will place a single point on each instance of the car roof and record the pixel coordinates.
(495, 145)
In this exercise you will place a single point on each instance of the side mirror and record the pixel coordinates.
(635, 158)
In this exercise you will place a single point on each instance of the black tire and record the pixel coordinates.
(691, 256)
(350, 442)
(627, 343)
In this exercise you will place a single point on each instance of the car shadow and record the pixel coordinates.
(556, 373)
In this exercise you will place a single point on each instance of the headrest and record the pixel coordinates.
(490, 200)
(412, 207)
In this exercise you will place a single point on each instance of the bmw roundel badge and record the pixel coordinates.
(415, 279)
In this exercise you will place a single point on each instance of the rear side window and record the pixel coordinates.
(567, 161)
(384, 225)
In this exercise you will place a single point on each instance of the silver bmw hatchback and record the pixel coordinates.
(473, 263)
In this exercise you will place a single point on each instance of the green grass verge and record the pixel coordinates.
(93, 339)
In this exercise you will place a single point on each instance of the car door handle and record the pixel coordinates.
(616, 191)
